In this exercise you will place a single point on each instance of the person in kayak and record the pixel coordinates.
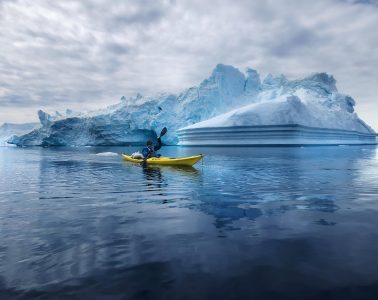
(151, 149)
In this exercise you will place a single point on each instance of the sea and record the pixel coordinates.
(244, 223)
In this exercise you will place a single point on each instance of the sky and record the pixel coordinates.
(87, 54)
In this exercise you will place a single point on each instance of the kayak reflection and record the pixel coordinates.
(157, 183)
(152, 174)
(185, 170)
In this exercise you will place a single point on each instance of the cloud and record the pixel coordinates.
(369, 2)
(87, 54)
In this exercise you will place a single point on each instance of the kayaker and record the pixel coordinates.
(150, 150)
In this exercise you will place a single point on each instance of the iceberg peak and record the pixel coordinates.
(253, 82)
(274, 81)
(322, 82)
(228, 80)
(44, 118)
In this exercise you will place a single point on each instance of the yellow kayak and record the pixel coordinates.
(181, 161)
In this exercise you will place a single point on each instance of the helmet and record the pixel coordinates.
(149, 143)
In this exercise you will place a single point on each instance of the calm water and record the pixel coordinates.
(248, 223)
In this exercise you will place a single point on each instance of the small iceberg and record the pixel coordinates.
(107, 154)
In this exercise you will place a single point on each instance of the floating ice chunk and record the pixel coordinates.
(107, 154)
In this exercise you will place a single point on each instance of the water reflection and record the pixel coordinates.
(152, 174)
(179, 170)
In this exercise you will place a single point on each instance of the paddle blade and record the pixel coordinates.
(163, 131)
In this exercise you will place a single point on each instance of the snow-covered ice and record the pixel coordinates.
(307, 111)
(228, 99)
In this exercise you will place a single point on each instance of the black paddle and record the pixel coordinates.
(163, 131)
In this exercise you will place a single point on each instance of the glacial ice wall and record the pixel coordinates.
(232, 97)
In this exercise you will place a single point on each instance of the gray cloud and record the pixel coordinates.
(368, 2)
(87, 54)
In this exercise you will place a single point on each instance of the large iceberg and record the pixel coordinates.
(299, 112)
(228, 101)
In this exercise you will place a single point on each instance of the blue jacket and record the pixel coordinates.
(147, 152)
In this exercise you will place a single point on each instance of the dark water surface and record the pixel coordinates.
(248, 223)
